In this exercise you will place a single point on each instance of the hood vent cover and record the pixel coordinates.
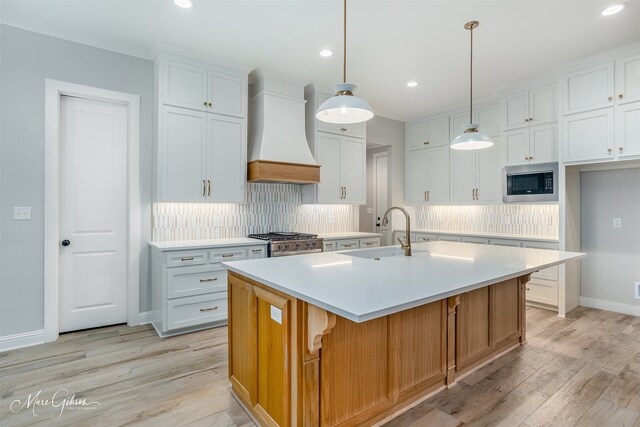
(278, 147)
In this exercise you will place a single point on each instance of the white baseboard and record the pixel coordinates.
(618, 307)
(25, 339)
(145, 317)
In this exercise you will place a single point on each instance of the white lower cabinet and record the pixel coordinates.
(189, 286)
(348, 244)
(343, 245)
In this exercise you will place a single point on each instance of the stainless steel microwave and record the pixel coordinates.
(530, 183)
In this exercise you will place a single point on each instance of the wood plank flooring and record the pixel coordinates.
(580, 371)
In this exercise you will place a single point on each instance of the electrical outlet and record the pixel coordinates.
(617, 222)
(369, 210)
(637, 293)
(22, 213)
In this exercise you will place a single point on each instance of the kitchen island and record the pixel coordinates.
(352, 338)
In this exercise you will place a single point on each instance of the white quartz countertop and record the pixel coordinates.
(348, 235)
(203, 244)
(485, 235)
(361, 289)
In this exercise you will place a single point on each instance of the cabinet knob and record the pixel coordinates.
(609, 150)
(66, 242)
(526, 120)
(621, 149)
(610, 98)
(620, 96)
(343, 129)
(205, 103)
(530, 119)
(526, 158)
(210, 104)
(425, 143)
(530, 157)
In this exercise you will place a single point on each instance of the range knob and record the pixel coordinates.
(297, 245)
(286, 245)
(279, 246)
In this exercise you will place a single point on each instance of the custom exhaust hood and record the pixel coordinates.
(278, 147)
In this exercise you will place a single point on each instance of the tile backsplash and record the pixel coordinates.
(527, 220)
(269, 207)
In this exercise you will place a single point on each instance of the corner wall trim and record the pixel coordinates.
(25, 339)
(145, 317)
(618, 307)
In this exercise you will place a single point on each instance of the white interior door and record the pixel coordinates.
(93, 213)
(381, 201)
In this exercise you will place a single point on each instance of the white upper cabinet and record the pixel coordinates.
(628, 80)
(352, 170)
(628, 130)
(532, 107)
(476, 175)
(328, 157)
(588, 136)
(202, 131)
(190, 86)
(589, 89)
(427, 175)
(532, 144)
(487, 117)
(428, 133)
(516, 146)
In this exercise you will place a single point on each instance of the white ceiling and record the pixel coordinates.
(389, 41)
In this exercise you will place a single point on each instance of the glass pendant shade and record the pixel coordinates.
(471, 139)
(344, 106)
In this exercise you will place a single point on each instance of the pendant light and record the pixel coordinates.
(344, 106)
(471, 138)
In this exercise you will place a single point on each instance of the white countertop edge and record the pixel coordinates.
(204, 244)
(348, 235)
(360, 318)
(485, 235)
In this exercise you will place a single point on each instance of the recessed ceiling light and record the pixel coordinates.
(613, 9)
(326, 53)
(185, 4)
(412, 84)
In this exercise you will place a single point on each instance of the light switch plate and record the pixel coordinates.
(369, 210)
(637, 290)
(276, 314)
(617, 222)
(22, 213)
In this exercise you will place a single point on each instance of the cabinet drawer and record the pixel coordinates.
(254, 252)
(190, 311)
(183, 258)
(348, 244)
(370, 243)
(228, 254)
(328, 246)
(450, 238)
(550, 273)
(188, 281)
(542, 291)
(403, 236)
(478, 240)
(505, 242)
(420, 238)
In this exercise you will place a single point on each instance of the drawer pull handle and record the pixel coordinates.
(209, 309)
(208, 280)
(186, 259)
(528, 289)
(255, 251)
(227, 255)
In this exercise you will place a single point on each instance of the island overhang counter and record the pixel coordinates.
(351, 338)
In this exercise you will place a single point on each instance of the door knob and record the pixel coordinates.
(66, 242)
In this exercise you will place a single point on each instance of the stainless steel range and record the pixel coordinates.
(287, 243)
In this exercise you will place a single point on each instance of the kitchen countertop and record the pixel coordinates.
(362, 289)
(202, 244)
(348, 235)
(486, 235)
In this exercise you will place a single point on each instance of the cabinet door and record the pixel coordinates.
(628, 80)
(516, 146)
(489, 174)
(542, 105)
(416, 135)
(463, 175)
(589, 89)
(183, 155)
(542, 144)
(628, 130)
(227, 159)
(227, 94)
(588, 136)
(328, 157)
(488, 119)
(438, 174)
(417, 176)
(352, 170)
(438, 132)
(184, 86)
(516, 111)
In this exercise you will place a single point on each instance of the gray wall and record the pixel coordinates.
(613, 264)
(27, 60)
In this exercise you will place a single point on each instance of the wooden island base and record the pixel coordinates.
(294, 364)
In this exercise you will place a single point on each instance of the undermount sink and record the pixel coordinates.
(385, 252)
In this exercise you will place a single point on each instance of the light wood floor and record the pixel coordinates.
(583, 370)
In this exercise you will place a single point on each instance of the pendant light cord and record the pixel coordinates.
(344, 45)
(471, 80)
